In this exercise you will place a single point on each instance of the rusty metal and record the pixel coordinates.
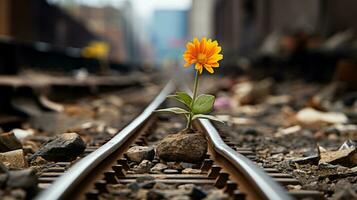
(80, 170)
(226, 168)
(263, 185)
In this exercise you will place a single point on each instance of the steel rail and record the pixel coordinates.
(62, 187)
(267, 187)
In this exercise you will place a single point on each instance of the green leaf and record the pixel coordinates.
(210, 117)
(175, 110)
(203, 104)
(182, 97)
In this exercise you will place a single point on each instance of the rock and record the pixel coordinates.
(13, 159)
(346, 155)
(191, 171)
(143, 167)
(288, 131)
(159, 167)
(148, 185)
(188, 186)
(134, 186)
(193, 191)
(180, 197)
(253, 92)
(311, 117)
(4, 173)
(3, 169)
(171, 171)
(25, 179)
(64, 148)
(174, 165)
(9, 142)
(140, 153)
(183, 147)
(141, 194)
(18, 194)
(154, 195)
(346, 193)
(161, 186)
(217, 195)
(188, 165)
(143, 179)
(22, 134)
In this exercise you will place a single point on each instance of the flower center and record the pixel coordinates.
(201, 58)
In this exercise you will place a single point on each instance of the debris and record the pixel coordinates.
(22, 134)
(9, 142)
(217, 195)
(288, 131)
(66, 147)
(253, 92)
(191, 171)
(310, 116)
(171, 171)
(183, 147)
(143, 167)
(346, 155)
(154, 195)
(13, 159)
(159, 167)
(139, 153)
(345, 193)
(193, 191)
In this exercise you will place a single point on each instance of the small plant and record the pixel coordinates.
(204, 55)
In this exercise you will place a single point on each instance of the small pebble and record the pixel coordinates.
(171, 171)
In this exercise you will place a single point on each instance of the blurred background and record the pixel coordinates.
(279, 38)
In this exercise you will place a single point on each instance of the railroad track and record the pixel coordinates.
(228, 170)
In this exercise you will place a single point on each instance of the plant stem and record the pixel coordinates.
(189, 123)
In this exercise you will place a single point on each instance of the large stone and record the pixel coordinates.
(13, 159)
(66, 147)
(9, 142)
(183, 147)
(140, 153)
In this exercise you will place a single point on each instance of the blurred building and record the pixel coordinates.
(201, 18)
(37, 20)
(169, 33)
(242, 25)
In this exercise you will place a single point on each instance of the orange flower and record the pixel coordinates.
(204, 54)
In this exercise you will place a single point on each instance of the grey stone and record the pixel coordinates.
(140, 153)
(159, 167)
(143, 167)
(143, 179)
(154, 195)
(25, 179)
(183, 147)
(193, 191)
(66, 147)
